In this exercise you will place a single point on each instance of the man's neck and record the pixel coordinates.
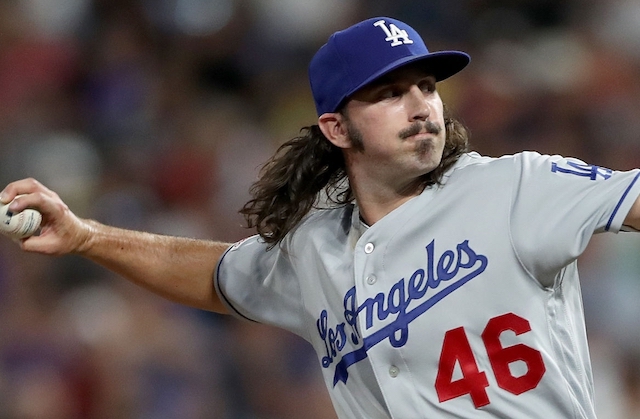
(375, 202)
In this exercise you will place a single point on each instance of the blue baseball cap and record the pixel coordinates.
(356, 56)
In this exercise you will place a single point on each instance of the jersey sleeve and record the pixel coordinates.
(558, 203)
(259, 284)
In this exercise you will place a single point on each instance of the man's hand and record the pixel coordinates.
(61, 231)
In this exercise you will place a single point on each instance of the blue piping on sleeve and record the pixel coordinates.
(624, 195)
(220, 293)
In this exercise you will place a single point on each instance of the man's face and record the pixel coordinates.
(396, 125)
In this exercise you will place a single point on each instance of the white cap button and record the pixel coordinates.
(368, 248)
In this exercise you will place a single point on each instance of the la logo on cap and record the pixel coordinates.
(394, 34)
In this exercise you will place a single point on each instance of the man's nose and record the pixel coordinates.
(417, 104)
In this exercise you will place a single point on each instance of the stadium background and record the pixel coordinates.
(156, 114)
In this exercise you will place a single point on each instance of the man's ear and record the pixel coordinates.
(333, 126)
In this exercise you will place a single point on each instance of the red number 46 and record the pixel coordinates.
(456, 348)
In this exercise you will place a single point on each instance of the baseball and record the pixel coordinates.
(19, 225)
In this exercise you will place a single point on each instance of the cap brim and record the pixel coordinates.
(441, 64)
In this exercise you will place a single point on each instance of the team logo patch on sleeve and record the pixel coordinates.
(237, 244)
(590, 171)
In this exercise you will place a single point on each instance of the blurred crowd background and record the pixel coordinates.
(156, 115)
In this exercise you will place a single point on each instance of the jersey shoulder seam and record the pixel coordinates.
(303, 306)
(514, 181)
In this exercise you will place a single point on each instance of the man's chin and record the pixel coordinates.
(427, 151)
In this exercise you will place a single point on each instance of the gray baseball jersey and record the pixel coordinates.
(462, 302)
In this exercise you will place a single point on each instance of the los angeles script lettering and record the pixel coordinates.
(455, 267)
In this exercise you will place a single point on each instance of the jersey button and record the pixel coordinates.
(394, 371)
(368, 248)
(371, 279)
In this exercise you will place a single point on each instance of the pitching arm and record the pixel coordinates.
(633, 217)
(179, 269)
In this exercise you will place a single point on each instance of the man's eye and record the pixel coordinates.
(427, 86)
(389, 93)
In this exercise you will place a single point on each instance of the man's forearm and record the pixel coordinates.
(179, 269)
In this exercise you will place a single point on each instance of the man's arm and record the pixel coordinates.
(633, 217)
(179, 269)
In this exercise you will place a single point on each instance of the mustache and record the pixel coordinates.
(418, 127)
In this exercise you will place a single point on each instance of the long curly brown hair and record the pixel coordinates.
(309, 169)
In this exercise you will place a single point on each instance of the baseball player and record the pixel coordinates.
(432, 282)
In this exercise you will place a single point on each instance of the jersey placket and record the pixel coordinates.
(390, 369)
